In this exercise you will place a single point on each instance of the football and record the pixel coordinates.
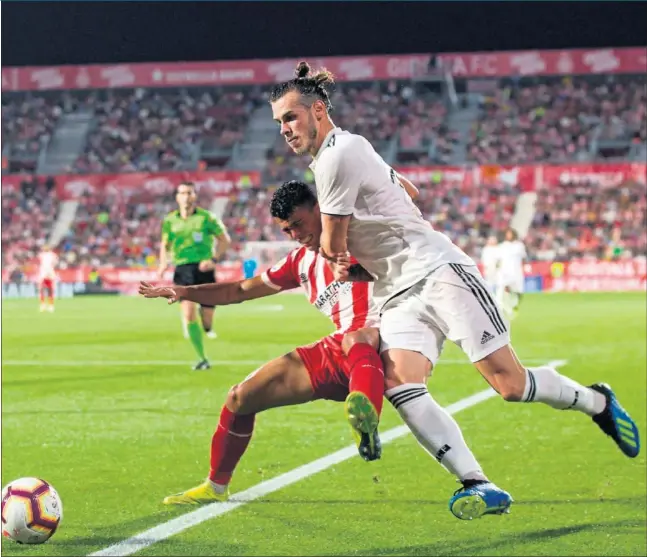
(31, 511)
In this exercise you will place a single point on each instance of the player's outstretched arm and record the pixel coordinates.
(215, 294)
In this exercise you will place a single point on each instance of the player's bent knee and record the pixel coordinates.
(234, 400)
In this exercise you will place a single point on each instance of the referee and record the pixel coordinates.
(189, 234)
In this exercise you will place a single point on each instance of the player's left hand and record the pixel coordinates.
(339, 264)
(149, 291)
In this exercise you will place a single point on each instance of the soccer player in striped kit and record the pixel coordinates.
(343, 366)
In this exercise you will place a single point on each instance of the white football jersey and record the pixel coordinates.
(511, 257)
(47, 267)
(387, 233)
(490, 259)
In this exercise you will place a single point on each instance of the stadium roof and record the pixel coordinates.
(46, 33)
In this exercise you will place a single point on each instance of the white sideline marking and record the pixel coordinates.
(181, 523)
(118, 363)
(188, 520)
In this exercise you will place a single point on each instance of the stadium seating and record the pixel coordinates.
(116, 230)
(28, 215)
(27, 125)
(151, 130)
(559, 121)
(576, 220)
(521, 121)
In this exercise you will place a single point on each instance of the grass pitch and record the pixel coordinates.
(99, 399)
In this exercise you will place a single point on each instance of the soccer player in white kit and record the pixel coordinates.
(426, 289)
(47, 262)
(490, 261)
(510, 276)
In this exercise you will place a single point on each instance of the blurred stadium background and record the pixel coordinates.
(550, 142)
(98, 399)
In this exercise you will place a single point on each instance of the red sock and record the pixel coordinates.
(228, 444)
(367, 373)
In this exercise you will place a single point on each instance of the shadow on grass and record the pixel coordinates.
(469, 547)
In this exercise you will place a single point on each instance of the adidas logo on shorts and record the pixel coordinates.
(486, 337)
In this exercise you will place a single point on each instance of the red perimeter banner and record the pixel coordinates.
(126, 280)
(345, 68)
(144, 184)
(529, 177)
(224, 182)
(571, 276)
(591, 275)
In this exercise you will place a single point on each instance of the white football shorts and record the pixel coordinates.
(452, 302)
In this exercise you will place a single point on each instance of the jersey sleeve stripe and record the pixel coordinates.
(266, 279)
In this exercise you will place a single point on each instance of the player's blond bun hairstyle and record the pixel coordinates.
(311, 84)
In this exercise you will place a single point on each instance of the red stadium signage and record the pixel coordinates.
(529, 177)
(604, 175)
(224, 182)
(345, 68)
(125, 280)
(217, 182)
(587, 275)
(592, 275)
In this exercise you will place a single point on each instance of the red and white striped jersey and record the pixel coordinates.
(349, 305)
(47, 261)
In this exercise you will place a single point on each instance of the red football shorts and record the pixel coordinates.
(47, 284)
(327, 367)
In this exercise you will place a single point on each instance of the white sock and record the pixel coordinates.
(544, 384)
(435, 430)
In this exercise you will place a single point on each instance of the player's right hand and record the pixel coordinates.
(149, 291)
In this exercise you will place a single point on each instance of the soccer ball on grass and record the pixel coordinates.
(31, 510)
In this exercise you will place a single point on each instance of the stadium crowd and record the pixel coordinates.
(28, 215)
(575, 220)
(556, 122)
(156, 130)
(152, 130)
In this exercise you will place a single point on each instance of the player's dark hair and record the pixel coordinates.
(190, 184)
(289, 196)
(311, 84)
